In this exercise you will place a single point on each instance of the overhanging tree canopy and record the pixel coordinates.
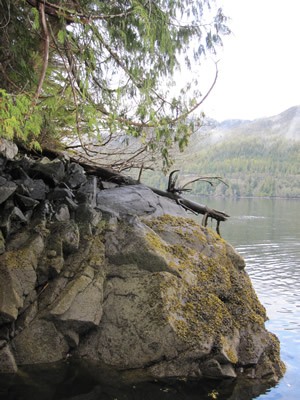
(93, 75)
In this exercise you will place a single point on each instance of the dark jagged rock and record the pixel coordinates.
(88, 191)
(34, 188)
(119, 275)
(7, 188)
(2, 163)
(60, 193)
(75, 176)
(51, 170)
(26, 202)
(37, 189)
(12, 220)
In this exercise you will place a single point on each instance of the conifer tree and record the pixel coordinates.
(95, 76)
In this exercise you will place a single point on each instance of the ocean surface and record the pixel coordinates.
(267, 234)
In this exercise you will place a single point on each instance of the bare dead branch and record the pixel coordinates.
(172, 181)
(205, 179)
(140, 174)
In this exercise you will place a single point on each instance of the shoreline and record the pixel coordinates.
(245, 197)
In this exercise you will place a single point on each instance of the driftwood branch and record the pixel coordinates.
(193, 206)
(175, 194)
(172, 193)
(207, 179)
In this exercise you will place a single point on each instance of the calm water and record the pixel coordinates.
(267, 233)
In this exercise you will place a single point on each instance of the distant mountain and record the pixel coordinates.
(232, 123)
(286, 123)
(256, 158)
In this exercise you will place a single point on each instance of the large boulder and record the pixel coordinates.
(121, 277)
(179, 303)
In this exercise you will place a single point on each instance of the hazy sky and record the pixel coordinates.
(259, 67)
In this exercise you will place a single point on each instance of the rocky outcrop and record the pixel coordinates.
(119, 275)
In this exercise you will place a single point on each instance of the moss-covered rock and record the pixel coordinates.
(40, 342)
(131, 287)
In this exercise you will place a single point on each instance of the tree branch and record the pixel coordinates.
(58, 11)
(46, 54)
(206, 179)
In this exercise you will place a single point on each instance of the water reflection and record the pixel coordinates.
(267, 234)
(79, 381)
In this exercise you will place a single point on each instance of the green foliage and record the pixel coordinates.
(17, 119)
(109, 72)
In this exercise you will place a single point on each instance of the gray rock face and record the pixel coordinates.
(121, 276)
(36, 344)
(136, 200)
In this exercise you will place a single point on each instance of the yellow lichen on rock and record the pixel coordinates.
(213, 296)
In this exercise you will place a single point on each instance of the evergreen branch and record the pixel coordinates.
(50, 9)
(97, 83)
(116, 58)
(138, 84)
(186, 114)
(147, 125)
(2, 69)
(71, 64)
(58, 11)
(46, 54)
(179, 118)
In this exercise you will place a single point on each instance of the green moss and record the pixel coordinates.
(232, 356)
(102, 226)
(156, 242)
(273, 354)
(170, 221)
(96, 254)
(21, 258)
(217, 297)
(41, 229)
(194, 314)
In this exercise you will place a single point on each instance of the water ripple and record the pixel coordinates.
(266, 235)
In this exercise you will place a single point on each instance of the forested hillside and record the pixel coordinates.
(255, 158)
